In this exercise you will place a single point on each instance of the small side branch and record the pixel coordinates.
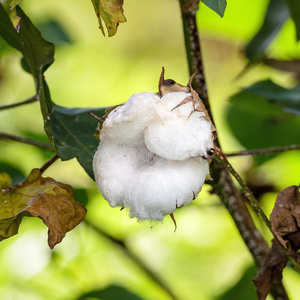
(27, 141)
(265, 151)
(219, 155)
(132, 256)
(51, 161)
(27, 101)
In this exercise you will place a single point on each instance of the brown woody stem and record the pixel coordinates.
(51, 161)
(27, 141)
(222, 183)
(27, 101)
(266, 151)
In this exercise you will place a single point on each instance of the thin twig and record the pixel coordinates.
(132, 256)
(220, 156)
(27, 101)
(222, 159)
(265, 151)
(27, 141)
(52, 160)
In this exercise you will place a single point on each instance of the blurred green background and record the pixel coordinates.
(206, 257)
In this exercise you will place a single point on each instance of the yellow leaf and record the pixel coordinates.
(111, 11)
(41, 197)
(5, 180)
(10, 7)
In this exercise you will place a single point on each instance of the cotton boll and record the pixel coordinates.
(114, 167)
(178, 134)
(149, 159)
(125, 124)
(162, 185)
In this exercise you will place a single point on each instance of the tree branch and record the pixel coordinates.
(132, 256)
(52, 160)
(27, 101)
(23, 140)
(265, 151)
(222, 183)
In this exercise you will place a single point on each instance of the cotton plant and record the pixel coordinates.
(153, 152)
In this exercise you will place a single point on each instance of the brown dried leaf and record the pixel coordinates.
(45, 198)
(271, 271)
(285, 217)
(285, 224)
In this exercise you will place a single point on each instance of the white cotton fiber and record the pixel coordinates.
(178, 134)
(149, 159)
(126, 123)
(162, 185)
(114, 167)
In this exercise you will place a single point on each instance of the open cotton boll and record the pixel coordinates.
(178, 134)
(125, 124)
(160, 186)
(150, 157)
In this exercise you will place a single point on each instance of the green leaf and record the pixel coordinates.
(276, 15)
(257, 123)
(73, 130)
(10, 7)
(9, 4)
(111, 11)
(287, 99)
(7, 31)
(217, 6)
(38, 55)
(294, 7)
(112, 292)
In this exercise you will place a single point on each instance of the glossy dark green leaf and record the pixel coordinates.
(7, 31)
(276, 15)
(38, 55)
(287, 99)
(244, 288)
(217, 6)
(294, 7)
(112, 292)
(257, 123)
(73, 130)
(37, 52)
